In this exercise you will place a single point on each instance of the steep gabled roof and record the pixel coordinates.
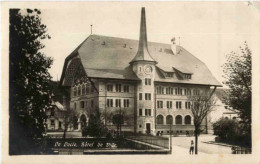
(109, 57)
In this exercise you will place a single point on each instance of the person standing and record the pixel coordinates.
(192, 147)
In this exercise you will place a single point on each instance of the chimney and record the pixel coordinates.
(173, 46)
(143, 53)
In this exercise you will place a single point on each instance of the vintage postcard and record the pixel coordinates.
(130, 82)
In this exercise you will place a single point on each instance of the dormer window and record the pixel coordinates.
(169, 74)
(187, 76)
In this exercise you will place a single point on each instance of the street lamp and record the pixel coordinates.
(171, 121)
(171, 135)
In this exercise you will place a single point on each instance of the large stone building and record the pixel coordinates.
(146, 82)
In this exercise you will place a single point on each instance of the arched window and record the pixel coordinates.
(187, 120)
(159, 119)
(83, 89)
(178, 120)
(79, 90)
(169, 119)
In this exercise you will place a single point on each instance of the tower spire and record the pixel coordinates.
(143, 53)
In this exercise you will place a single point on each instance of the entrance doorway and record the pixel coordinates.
(148, 128)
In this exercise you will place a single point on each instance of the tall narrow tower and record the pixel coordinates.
(143, 65)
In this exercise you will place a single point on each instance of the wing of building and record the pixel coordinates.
(148, 82)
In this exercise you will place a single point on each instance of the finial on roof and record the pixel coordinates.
(143, 53)
(91, 29)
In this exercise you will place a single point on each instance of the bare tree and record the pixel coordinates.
(201, 106)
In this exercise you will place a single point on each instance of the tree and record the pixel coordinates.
(201, 106)
(118, 120)
(238, 74)
(68, 120)
(96, 127)
(29, 81)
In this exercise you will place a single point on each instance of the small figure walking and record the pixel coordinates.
(191, 147)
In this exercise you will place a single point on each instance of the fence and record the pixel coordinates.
(241, 150)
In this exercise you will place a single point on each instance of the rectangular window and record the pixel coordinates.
(185, 91)
(159, 104)
(188, 91)
(187, 105)
(118, 103)
(171, 91)
(110, 88)
(169, 104)
(196, 92)
(169, 74)
(92, 103)
(126, 103)
(60, 123)
(126, 88)
(178, 104)
(148, 112)
(82, 104)
(147, 81)
(140, 96)
(147, 96)
(140, 112)
(167, 91)
(160, 90)
(118, 87)
(52, 122)
(109, 102)
(178, 91)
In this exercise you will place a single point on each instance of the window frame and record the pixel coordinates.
(140, 112)
(118, 87)
(109, 87)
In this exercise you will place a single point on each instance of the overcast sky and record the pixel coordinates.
(209, 30)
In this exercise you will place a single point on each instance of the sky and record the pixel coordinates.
(209, 30)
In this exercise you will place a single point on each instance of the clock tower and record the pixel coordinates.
(144, 67)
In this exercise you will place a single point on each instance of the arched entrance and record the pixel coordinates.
(83, 120)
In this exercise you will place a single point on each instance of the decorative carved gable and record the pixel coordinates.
(75, 73)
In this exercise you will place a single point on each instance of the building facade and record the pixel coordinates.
(55, 117)
(147, 83)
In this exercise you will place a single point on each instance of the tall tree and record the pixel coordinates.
(238, 74)
(201, 106)
(28, 81)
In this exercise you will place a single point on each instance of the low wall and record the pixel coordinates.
(153, 140)
(99, 146)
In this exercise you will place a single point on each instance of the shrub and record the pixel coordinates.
(226, 129)
(84, 131)
(231, 131)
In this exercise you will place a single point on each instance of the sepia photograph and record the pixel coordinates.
(132, 79)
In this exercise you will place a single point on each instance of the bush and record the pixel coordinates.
(226, 129)
(84, 131)
(231, 131)
(95, 127)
